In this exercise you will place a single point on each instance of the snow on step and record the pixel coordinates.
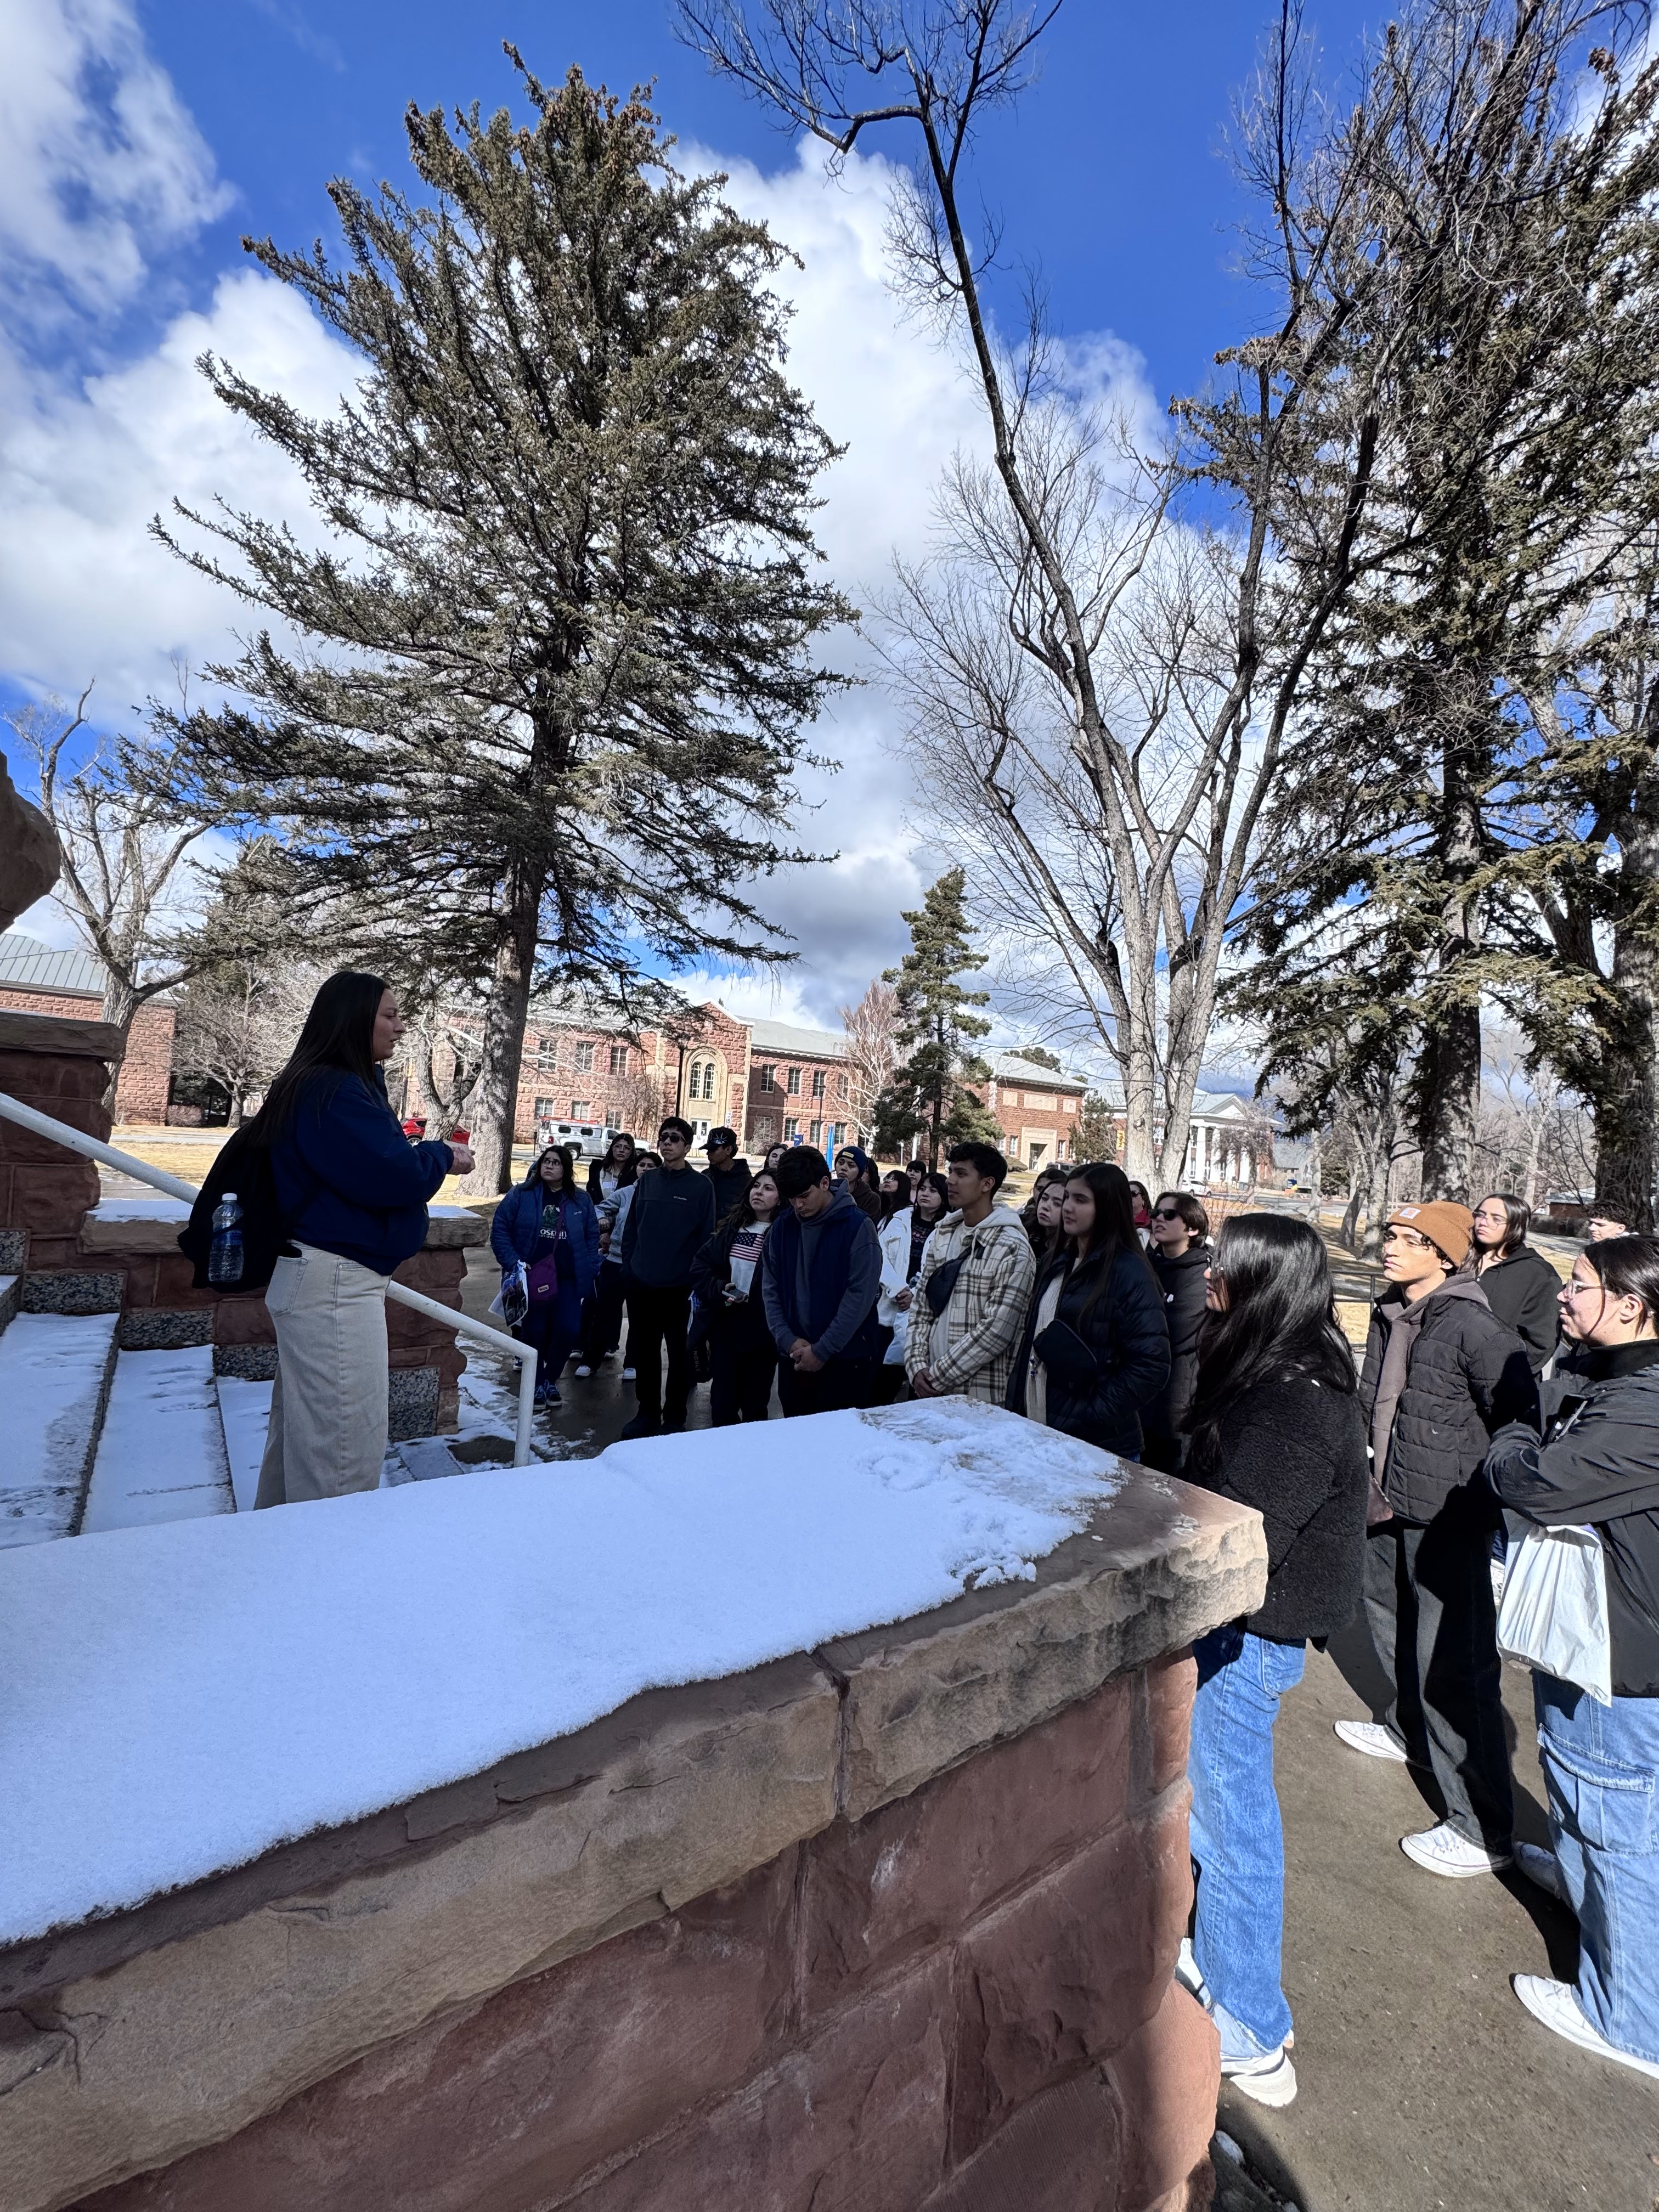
(161, 1456)
(52, 1368)
(245, 1410)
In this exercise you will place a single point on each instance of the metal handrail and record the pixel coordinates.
(93, 1148)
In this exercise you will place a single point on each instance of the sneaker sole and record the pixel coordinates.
(1577, 2030)
(1275, 2090)
(1452, 1873)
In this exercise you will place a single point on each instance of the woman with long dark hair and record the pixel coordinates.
(894, 1195)
(725, 1282)
(614, 1171)
(352, 1192)
(554, 1229)
(1598, 1467)
(1180, 1255)
(1521, 1287)
(1095, 1351)
(1275, 1423)
(1041, 1213)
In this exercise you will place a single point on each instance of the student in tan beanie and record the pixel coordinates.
(1442, 1373)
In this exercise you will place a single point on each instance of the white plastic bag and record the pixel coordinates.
(894, 1355)
(1554, 1612)
(512, 1301)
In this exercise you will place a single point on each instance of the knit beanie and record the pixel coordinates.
(1448, 1226)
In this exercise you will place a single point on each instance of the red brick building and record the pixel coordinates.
(36, 980)
(1038, 1111)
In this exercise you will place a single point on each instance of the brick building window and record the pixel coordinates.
(817, 1083)
(843, 1088)
(840, 1132)
(767, 1076)
(702, 1080)
(547, 1056)
(815, 1134)
(584, 1059)
(582, 1109)
(544, 1110)
(792, 1130)
(791, 1083)
(619, 1060)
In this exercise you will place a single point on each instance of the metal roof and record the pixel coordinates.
(783, 1037)
(25, 964)
(1010, 1067)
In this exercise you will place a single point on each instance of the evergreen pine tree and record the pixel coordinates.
(932, 1094)
(555, 657)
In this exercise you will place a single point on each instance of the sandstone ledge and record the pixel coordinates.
(135, 2040)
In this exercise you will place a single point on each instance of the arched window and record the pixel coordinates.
(702, 1080)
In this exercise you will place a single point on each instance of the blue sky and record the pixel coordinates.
(140, 138)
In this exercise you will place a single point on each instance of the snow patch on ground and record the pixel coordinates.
(52, 1376)
(422, 1633)
(161, 1455)
(244, 1410)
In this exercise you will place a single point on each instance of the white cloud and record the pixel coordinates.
(100, 161)
(83, 467)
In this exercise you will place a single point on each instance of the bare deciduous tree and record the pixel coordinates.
(126, 870)
(871, 1029)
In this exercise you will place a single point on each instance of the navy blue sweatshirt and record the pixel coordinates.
(348, 1180)
(671, 1217)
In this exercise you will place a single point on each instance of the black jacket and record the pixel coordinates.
(1181, 1285)
(669, 1218)
(730, 1184)
(1600, 1464)
(1468, 1376)
(1295, 1450)
(1106, 1361)
(742, 1324)
(1522, 1290)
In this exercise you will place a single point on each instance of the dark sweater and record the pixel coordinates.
(348, 1180)
(1600, 1464)
(1522, 1292)
(1181, 1285)
(1295, 1449)
(1467, 1376)
(1107, 1355)
(670, 1214)
(729, 1185)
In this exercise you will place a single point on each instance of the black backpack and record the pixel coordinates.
(243, 1165)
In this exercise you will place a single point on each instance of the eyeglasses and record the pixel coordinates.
(1165, 1213)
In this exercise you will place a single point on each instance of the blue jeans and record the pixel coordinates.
(1601, 1767)
(1237, 1837)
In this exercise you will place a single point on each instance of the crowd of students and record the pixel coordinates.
(1122, 1322)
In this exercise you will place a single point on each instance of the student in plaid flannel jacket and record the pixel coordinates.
(979, 1262)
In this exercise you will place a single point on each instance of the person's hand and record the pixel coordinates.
(803, 1359)
(902, 1299)
(460, 1159)
(921, 1385)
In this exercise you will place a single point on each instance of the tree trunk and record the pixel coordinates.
(1626, 1103)
(1448, 1080)
(497, 1096)
(1140, 1114)
(1370, 1246)
(120, 1005)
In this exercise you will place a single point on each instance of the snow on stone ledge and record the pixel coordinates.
(141, 1209)
(175, 1700)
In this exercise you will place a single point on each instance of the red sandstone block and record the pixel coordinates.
(852, 2121)
(1167, 2077)
(243, 1320)
(435, 1271)
(140, 1271)
(915, 1873)
(1060, 2152)
(1163, 1720)
(53, 1201)
(43, 1075)
(510, 2103)
(1063, 1976)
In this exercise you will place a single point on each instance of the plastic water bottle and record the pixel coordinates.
(225, 1253)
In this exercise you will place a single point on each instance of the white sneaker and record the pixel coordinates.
(1267, 2080)
(1373, 1739)
(582, 1373)
(1555, 2005)
(1541, 1868)
(1442, 1851)
(628, 1375)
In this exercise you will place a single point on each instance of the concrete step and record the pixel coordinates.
(244, 1410)
(11, 1298)
(161, 1455)
(55, 1373)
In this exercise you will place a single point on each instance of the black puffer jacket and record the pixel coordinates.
(1600, 1464)
(1106, 1360)
(1522, 1292)
(1466, 1377)
(1296, 1451)
(1181, 1285)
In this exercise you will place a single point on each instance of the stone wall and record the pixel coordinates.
(62, 1068)
(888, 1925)
(145, 1075)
